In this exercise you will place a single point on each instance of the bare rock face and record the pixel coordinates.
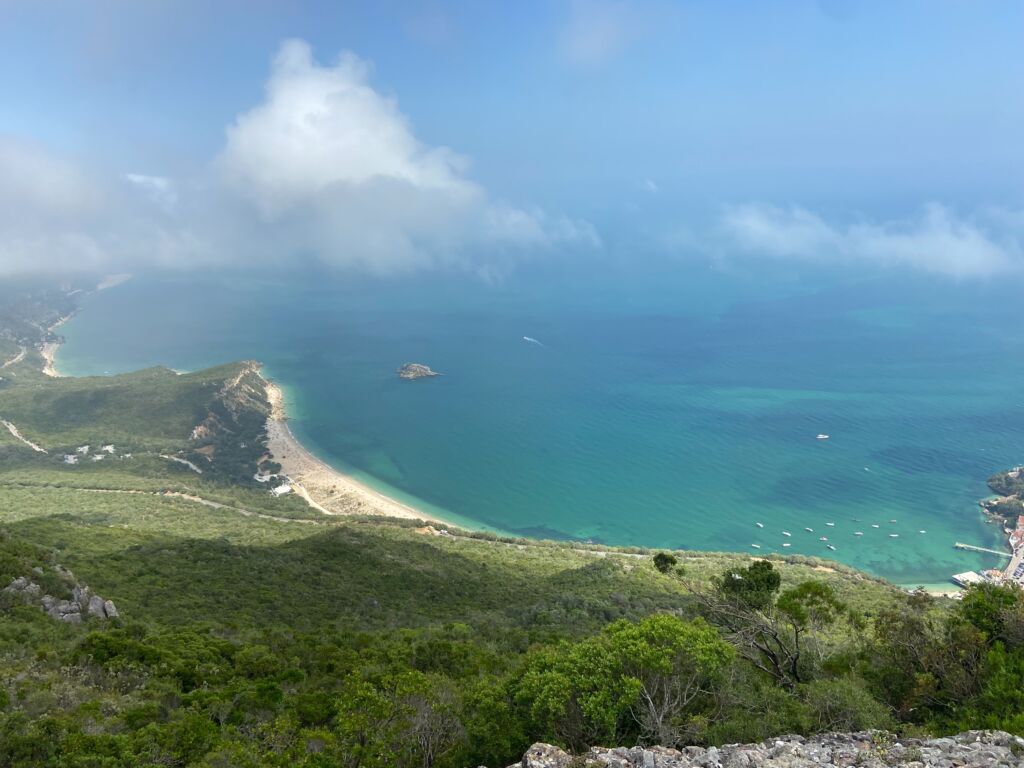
(874, 749)
(83, 601)
(416, 371)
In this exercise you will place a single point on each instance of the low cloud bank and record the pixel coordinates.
(324, 167)
(988, 243)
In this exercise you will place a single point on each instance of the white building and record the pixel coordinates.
(969, 578)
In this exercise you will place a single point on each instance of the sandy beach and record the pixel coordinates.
(48, 350)
(322, 486)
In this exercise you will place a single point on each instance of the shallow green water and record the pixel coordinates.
(677, 409)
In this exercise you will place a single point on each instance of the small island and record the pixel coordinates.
(416, 371)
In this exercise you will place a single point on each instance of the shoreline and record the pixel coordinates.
(319, 484)
(333, 492)
(48, 349)
(323, 487)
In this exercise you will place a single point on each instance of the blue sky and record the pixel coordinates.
(628, 116)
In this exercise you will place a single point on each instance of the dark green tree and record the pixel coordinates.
(665, 562)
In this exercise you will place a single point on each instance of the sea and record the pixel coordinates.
(650, 402)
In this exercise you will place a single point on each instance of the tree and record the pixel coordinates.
(921, 663)
(665, 562)
(402, 719)
(844, 704)
(782, 636)
(637, 680)
(754, 586)
(991, 608)
(433, 722)
(675, 662)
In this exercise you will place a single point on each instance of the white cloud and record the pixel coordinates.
(935, 241)
(33, 179)
(325, 126)
(161, 190)
(334, 166)
(56, 215)
(324, 167)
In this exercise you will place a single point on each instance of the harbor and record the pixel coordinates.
(1013, 573)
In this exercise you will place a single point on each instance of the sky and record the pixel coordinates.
(401, 136)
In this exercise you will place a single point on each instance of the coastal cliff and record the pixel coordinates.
(1008, 504)
(867, 749)
(1009, 489)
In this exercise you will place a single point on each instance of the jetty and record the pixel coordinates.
(972, 548)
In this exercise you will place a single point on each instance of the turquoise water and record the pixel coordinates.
(671, 409)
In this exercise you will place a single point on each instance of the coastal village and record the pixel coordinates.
(996, 509)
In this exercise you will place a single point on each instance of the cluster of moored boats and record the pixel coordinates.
(824, 539)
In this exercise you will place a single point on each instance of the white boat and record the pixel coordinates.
(787, 544)
(892, 521)
(831, 547)
(756, 546)
(833, 525)
(822, 437)
(858, 533)
(894, 535)
(873, 525)
(922, 531)
(786, 533)
(759, 525)
(809, 530)
(823, 538)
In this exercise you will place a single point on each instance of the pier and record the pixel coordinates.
(961, 545)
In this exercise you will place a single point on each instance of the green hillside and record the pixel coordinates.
(253, 630)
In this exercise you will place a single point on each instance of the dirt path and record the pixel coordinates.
(16, 359)
(176, 495)
(186, 462)
(14, 431)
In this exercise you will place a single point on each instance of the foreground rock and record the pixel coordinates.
(416, 371)
(84, 602)
(974, 749)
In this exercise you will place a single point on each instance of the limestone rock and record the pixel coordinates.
(545, 756)
(27, 590)
(83, 600)
(95, 607)
(973, 749)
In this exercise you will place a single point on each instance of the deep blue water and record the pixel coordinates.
(673, 409)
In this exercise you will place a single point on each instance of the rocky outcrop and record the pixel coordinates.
(416, 371)
(83, 602)
(876, 749)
